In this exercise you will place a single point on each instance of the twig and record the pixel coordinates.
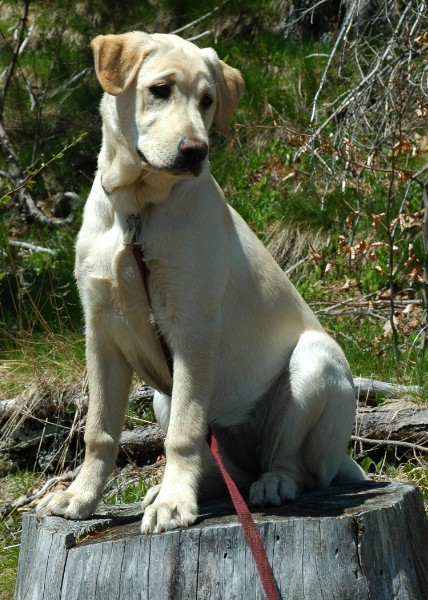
(363, 303)
(333, 306)
(369, 387)
(16, 176)
(290, 270)
(356, 312)
(44, 165)
(344, 30)
(205, 16)
(371, 442)
(6, 509)
(64, 86)
(200, 35)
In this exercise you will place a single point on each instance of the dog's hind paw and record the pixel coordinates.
(274, 488)
(66, 504)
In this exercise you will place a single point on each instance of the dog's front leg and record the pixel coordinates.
(109, 383)
(176, 501)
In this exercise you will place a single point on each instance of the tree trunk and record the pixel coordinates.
(360, 542)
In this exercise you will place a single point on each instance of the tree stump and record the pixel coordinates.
(359, 542)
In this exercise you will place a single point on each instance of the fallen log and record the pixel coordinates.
(397, 420)
(38, 402)
(148, 439)
(361, 542)
(40, 421)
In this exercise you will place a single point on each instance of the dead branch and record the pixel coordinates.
(372, 95)
(6, 509)
(389, 442)
(341, 38)
(31, 247)
(366, 388)
(202, 18)
(147, 440)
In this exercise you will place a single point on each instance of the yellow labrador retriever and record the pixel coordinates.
(251, 361)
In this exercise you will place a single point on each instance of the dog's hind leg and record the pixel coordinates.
(308, 424)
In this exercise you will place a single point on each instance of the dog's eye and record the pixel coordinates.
(206, 101)
(161, 91)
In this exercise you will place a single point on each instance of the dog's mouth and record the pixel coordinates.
(190, 158)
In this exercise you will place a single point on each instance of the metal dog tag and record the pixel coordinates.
(134, 230)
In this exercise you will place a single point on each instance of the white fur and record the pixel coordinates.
(251, 360)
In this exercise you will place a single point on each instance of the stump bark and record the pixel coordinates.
(359, 542)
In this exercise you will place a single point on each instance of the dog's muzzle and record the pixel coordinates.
(191, 153)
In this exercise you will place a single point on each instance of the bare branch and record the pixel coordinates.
(396, 443)
(31, 247)
(344, 30)
(202, 18)
(369, 387)
(6, 509)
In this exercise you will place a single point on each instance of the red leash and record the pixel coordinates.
(248, 525)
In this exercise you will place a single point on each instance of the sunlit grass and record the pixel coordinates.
(48, 358)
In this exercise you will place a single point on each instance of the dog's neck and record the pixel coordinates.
(129, 185)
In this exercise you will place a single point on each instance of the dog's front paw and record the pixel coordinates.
(169, 512)
(274, 488)
(66, 504)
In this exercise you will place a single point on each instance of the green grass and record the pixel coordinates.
(129, 485)
(47, 358)
(11, 487)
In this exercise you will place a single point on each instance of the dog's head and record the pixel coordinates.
(162, 94)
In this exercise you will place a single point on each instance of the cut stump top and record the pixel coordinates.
(362, 541)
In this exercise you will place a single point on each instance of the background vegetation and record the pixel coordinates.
(326, 161)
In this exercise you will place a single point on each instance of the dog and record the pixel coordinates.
(250, 360)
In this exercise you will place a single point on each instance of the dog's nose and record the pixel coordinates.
(192, 151)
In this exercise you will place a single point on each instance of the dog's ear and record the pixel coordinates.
(118, 58)
(230, 86)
